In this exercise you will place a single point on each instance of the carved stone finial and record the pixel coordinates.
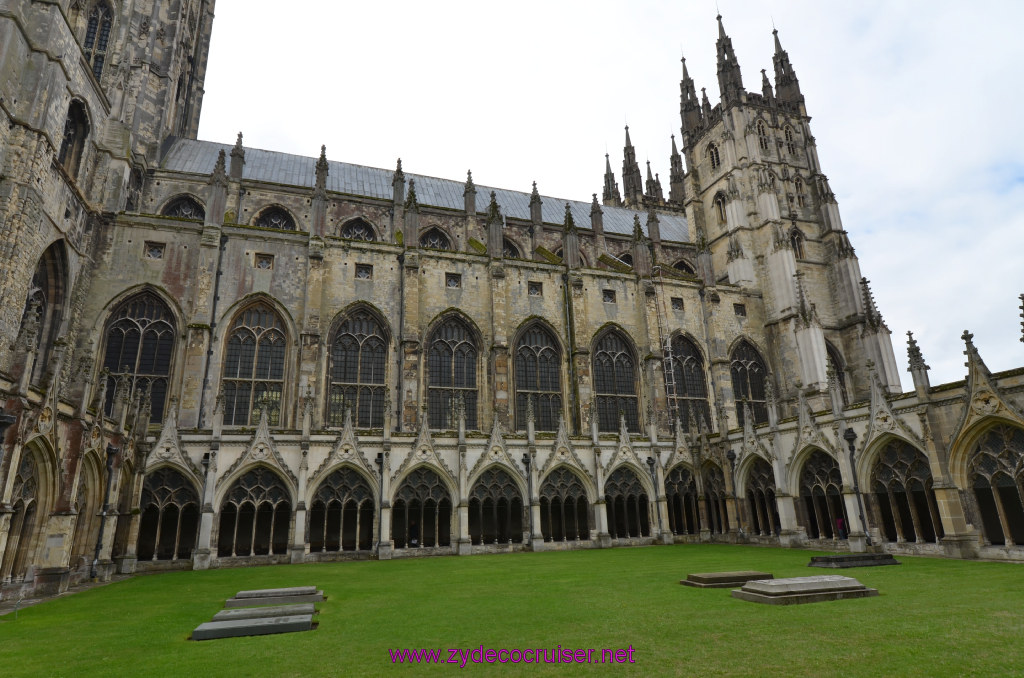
(410, 198)
(220, 175)
(914, 354)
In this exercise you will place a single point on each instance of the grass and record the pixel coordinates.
(932, 618)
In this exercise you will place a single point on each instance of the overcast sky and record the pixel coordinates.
(916, 108)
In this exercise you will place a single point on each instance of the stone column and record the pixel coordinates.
(300, 546)
(790, 533)
(201, 560)
(129, 561)
(384, 544)
(856, 531)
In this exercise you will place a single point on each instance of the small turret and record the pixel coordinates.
(917, 367)
(319, 203)
(469, 193)
(676, 177)
(495, 226)
(766, 87)
(570, 240)
(787, 87)
(398, 185)
(689, 105)
(611, 195)
(730, 82)
(632, 182)
(653, 186)
(237, 159)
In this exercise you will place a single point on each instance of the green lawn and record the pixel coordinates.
(932, 617)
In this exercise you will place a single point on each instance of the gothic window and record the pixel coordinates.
(72, 145)
(713, 156)
(714, 499)
(798, 188)
(538, 379)
(996, 475)
(681, 494)
(21, 535)
(97, 35)
(796, 239)
(821, 500)
(615, 383)
(626, 503)
(563, 507)
(749, 376)
(720, 209)
(836, 364)
(140, 347)
(495, 509)
(359, 229)
(901, 490)
(170, 516)
(684, 267)
(762, 135)
(764, 511)
(44, 310)
(626, 258)
(509, 250)
(422, 513)
(185, 207)
(357, 369)
(275, 217)
(434, 239)
(690, 396)
(341, 517)
(254, 367)
(790, 146)
(255, 516)
(451, 374)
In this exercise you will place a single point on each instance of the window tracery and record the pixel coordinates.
(185, 207)
(422, 512)
(434, 239)
(901, 486)
(764, 510)
(140, 340)
(615, 383)
(254, 367)
(691, 389)
(170, 516)
(626, 503)
(495, 509)
(357, 372)
(563, 507)
(97, 35)
(359, 229)
(714, 157)
(72, 145)
(715, 499)
(749, 375)
(821, 486)
(254, 516)
(996, 474)
(681, 494)
(451, 370)
(538, 379)
(277, 218)
(341, 516)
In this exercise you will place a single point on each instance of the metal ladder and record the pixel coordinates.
(667, 360)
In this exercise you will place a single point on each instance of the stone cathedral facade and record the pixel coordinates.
(214, 355)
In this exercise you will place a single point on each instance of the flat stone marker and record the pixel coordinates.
(853, 560)
(253, 627)
(315, 597)
(262, 612)
(796, 590)
(268, 593)
(722, 580)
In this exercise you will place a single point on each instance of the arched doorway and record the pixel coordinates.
(422, 513)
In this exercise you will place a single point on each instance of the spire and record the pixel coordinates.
(638, 231)
(704, 103)
(611, 195)
(319, 202)
(219, 176)
(398, 185)
(469, 193)
(536, 211)
(787, 87)
(570, 223)
(766, 87)
(410, 200)
(651, 187)
(871, 314)
(689, 106)
(495, 228)
(676, 176)
(730, 82)
(237, 158)
(493, 211)
(918, 369)
(320, 191)
(632, 182)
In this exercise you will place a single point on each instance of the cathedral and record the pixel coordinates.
(214, 355)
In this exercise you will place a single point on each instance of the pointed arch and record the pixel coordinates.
(720, 201)
(97, 36)
(343, 511)
(821, 509)
(357, 367)
(713, 156)
(453, 349)
(796, 241)
(995, 481)
(510, 250)
(254, 367)
(169, 523)
(76, 131)
(496, 507)
(691, 387)
(565, 505)
(86, 506)
(626, 501)
(184, 206)
(762, 135)
(275, 217)
(537, 375)
(715, 494)
(684, 267)
(682, 498)
(758, 484)
(900, 492)
(434, 238)
(616, 387)
(838, 366)
(45, 308)
(33, 489)
(139, 348)
(358, 228)
(749, 381)
(255, 514)
(422, 509)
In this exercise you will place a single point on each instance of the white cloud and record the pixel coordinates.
(914, 106)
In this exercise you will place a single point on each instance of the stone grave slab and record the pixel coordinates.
(261, 612)
(853, 560)
(722, 580)
(797, 590)
(270, 593)
(316, 597)
(253, 627)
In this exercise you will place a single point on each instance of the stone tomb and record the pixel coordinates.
(722, 580)
(853, 560)
(797, 590)
(263, 612)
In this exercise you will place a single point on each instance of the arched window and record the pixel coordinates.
(835, 362)
(796, 239)
(140, 346)
(509, 250)
(626, 258)
(538, 379)
(72, 145)
(254, 366)
(798, 188)
(626, 502)
(357, 370)
(451, 373)
(97, 35)
(748, 382)
(564, 509)
(21, 535)
(720, 209)
(615, 383)
(996, 472)
(901, 486)
(275, 217)
(762, 135)
(86, 507)
(422, 513)
(821, 499)
(495, 509)
(170, 516)
(435, 239)
(359, 229)
(713, 156)
(341, 517)
(44, 312)
(681, 494)
(684, 267)
(714, 499)
(764, 511)
(255, 516)
(790, 146)
(185, 207)
(691, 389)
